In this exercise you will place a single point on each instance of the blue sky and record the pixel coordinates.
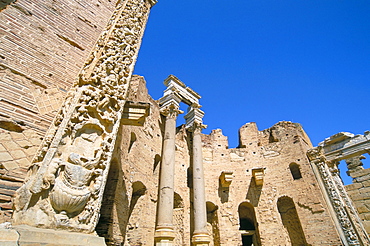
(265, 61)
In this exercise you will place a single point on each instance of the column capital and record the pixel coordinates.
(197, 127)
(316, 155)
(171, 111)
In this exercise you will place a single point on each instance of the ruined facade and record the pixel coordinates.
(87, 154)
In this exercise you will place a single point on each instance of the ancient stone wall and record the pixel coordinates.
(273, 150)
(128, 212)
(43, 46)
(129, 203)
(359, 190)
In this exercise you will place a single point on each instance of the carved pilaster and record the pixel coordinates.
(333, 192)
(65, 185)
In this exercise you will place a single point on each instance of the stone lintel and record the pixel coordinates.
(194, 115)
(187, 95)
(225, 178)
(345, 145)
(258, 175)
(135, 113)
(169, 99)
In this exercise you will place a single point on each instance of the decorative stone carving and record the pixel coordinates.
(65, 184)
(345, 145)
(344, 210)
(258, 175)
(226, 178)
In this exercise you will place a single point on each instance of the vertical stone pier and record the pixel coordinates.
(164, 234)
(200, 234)
(65, 184)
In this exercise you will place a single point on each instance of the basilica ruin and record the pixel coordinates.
(89, 158)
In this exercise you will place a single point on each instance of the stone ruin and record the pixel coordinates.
(97, 161)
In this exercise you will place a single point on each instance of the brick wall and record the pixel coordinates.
(43, 45)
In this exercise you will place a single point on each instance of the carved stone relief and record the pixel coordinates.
(344, 211)
(65, 184)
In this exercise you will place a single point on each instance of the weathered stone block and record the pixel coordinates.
(362, 178)
(9, 237)
(24, 143)
(18, 154)
(363, 209)
(360, 173)
(366, 183)
(364, 190)
(10, 145)
(24, 163)
(354, 186)
(9, 165)
(5, 156)
(2, 148)
(30, 236)
(16, 135)
(367, 226)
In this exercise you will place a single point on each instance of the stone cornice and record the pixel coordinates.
(345, 145)
(187, 95)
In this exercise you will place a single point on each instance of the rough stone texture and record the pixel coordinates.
(44, 45)
(359, 191)
(129, 203)
(273, 149)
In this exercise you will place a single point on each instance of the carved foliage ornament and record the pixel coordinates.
(65, 184)
(316, 157)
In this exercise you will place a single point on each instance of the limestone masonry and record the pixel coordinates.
(87, 157)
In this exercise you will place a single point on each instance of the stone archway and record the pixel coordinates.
(248, 225)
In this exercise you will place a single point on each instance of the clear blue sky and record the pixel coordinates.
(265, 61)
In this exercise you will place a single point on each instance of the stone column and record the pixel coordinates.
(194, 124)
(200, 234)
(164, 234)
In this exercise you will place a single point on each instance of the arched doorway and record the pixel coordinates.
(248, 226)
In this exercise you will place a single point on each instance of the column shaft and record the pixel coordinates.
(200, 235)
(164, 233)
(166, 183)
